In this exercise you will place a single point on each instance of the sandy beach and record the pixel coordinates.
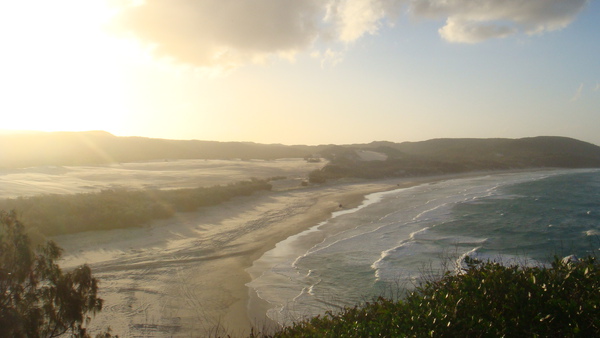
(186, 276)
(296, 211)
(274, 218)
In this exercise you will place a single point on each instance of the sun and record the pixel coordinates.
(60, 69)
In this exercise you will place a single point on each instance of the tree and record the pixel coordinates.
(317, 176)
(36, 298)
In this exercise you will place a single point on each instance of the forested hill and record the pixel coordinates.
(97, 147)
(530, 151)
(445, 156)
(433, 156)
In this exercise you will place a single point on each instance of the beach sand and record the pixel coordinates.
(265, 221)
(275, 218)
(186, 276)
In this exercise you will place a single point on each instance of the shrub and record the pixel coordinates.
(316, 176)
(487, 300)
(119, 208)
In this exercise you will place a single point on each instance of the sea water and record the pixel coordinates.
(396, 238)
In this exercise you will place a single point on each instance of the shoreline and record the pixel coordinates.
(187, 276)
(348, 194)
(325, 200)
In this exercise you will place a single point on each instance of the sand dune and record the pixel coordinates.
(156, 174)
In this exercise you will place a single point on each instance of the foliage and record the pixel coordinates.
(119, 208)
(316, 176)
(36, 298)
(408, 166)
(487, 300)
(449, 156)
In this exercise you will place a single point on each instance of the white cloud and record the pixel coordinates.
(471, 21)
(597, 88)
(471, 32)
(355, 18)
(227, 33)
(223, 32)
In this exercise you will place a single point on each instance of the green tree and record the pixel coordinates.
(36, 298)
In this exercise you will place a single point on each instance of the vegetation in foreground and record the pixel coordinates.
(36, 298)
(119, 208)
(487, 300)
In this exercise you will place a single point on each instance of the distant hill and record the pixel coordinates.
(408, 158)
(98, 147)
(548, 151)
(444, 156)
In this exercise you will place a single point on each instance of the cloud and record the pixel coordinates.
(228, 33)
(472, 32)
(354, 18)
(578, 93)
(469, 21)
(597, 88)
(222, 32)
(328, 57)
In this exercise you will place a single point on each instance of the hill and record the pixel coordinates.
(531, 151)
(445, 156)
(376, 159)
(99, 147)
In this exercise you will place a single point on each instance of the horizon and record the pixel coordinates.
(33, 132)
(303, 72)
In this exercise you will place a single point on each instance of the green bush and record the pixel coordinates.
(487, 300)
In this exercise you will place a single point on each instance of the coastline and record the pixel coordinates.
(187, 276)
(326, 199)
(313, 205)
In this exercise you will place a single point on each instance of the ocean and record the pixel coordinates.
(396, 238)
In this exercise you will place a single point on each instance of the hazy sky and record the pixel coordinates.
(302, 71)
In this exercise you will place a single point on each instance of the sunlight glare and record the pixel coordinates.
(60, 69)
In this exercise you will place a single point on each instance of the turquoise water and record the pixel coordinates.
(396, 237)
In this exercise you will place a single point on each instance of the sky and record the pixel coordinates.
(302, 71)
